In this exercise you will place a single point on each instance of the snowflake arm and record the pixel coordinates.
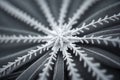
(97, 39)
(73, 72)
(6, 69)
(48, 66)
(94, 67)
(94, 23)
(22, 38)
(46, 10)
(34, 68)
(17, 13)
(86, 4)
(63, 11)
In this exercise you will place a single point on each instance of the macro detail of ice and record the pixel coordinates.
(59, 39)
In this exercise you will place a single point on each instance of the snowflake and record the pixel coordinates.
(61, 38)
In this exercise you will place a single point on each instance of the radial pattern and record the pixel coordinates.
(60, 39)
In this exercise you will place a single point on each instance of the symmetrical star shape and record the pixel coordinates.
(61, 38)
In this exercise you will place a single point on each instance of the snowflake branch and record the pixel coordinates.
(48, 66)
(94, 23)
(17, 13)
(99, 39)
(94, 67)
(82, 9)
(22, 38)
(46, 10)
(73, 72)
(63, 11)
(11, 66)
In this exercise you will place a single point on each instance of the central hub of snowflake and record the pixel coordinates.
(60, 38)
(62, 34)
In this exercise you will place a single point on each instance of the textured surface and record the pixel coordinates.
(60, 39)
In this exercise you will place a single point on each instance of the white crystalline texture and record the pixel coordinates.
(60, 37)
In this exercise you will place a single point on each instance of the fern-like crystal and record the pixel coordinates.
(61, 39)
(21, 38)
(94, 23)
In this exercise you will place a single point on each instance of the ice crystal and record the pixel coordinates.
(63, 41)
